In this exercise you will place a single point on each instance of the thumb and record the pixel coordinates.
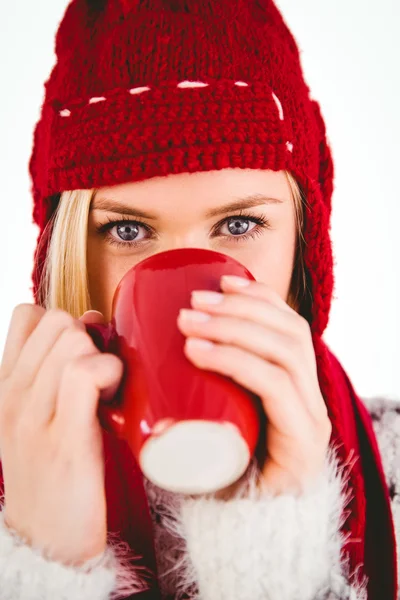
(92, 317)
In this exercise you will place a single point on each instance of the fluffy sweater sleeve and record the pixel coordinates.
(255, 546)
(26, 574)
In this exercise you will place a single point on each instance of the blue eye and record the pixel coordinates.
(238, 225)
(127, 232)
(124, 232)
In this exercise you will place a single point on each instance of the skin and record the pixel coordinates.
(52, 376)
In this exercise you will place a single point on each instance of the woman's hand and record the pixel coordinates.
(251, 335)
(51, 377)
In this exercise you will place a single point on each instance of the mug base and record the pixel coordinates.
(195, 457)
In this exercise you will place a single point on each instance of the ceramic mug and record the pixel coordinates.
(191, 430)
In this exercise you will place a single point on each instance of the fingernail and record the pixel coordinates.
(199, 344)
(194, 315)
(235, 281)
(207, 297)
(92, 316)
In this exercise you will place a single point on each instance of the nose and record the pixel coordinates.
(187, 242)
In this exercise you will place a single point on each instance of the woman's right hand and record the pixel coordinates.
(51, 379)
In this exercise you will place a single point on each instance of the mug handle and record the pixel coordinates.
(105, 340)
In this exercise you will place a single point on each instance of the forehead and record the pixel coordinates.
(198, 192)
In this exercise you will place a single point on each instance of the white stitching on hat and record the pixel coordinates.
(279, 105)
(139, 90)
(183, 84)
(191, 84)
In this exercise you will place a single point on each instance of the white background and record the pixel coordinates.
(350, 53)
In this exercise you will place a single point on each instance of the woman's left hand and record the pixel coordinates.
(250, 334)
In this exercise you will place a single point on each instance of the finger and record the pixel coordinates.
(40, 342)
(253, 308)
(71, 344)
(280, 400)
(91, 317)
(82, 382)
(257, 289)
(270, 345)
(282, 350)
(24, 320)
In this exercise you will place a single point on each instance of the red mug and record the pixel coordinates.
(191, 430)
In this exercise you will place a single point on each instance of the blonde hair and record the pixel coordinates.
(65, 282)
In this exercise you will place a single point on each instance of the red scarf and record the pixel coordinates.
(370, 520)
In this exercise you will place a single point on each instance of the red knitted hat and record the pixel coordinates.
(145, 88)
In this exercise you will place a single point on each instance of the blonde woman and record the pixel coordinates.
(170, 124)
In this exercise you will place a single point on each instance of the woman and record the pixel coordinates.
(174, 123)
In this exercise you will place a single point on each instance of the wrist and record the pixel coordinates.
(50, 551)
(276, 480)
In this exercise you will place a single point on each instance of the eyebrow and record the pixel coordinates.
(107, 204)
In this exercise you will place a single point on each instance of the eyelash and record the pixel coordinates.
(261, 222)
